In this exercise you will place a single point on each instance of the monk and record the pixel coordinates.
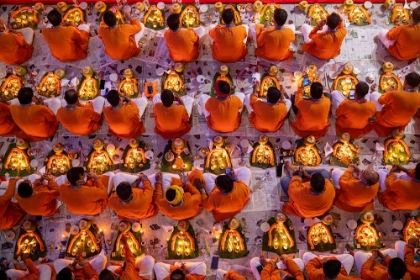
(413, 268)
(120, 41)
(223, 112)
(310, 193)
(8, 128)
(183, 44)
(327, 43)
(31, 272)
(403, 41)
(228, 41)
(267, 116)
(228, 194)
(400, 193)
(78, 118)
(188, 271)
(398, 106)
(228, 275)
(15, 46)
(327, 268)
(10, 212)
(274, 42)
(355, 189)
(312, 115)
(270, 270)
(84, 198)
(37, 121)
(353, 116)
(67, 43)
(132, 202)
(183, 199)
(37, 198)
(80, 269)
(171, 119)
(123, 115)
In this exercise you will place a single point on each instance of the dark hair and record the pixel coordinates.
(74, 173)
(333, 20)
(54, 17)
(417, 171)
(362, 89)
(289, 277)
(228, 16)
(25, 190)
(177, 274)
(25, 95)
(65, 274)
(317, 89)
(113, 97)
(224, 87)
(110, 19)
(124, 190)
(170, 194)
(317, 182)
(225, 183)
(173, 22)
(71, 96)
(280, 16)
(273, 95)
(106, 275)
(413, 79)
(332, 268)
(416, 15)
(397, 268)
(167, 97)
(3, 275)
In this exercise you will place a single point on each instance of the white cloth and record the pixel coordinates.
(167, 179)
(382, 178)
(335, 176)
(84, 27)
(337, 98)
(162, 270)
(243, 174)
(247, 103)
(129, 178)
(374, 96)
(139, 34)
(44, 272)
(53, 104)
(346, 260)
(200, 31)
(98, 263)
(144, 264)
(255, 262)
(220, 273)
(28, 34)
(187, 100)
(204, 97)
(400, 248)
(382, 36)
(97, 103)
(306, 30)
(361, 257)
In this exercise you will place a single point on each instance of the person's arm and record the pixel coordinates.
(32, 269)
(90, 273)
(130, 261)
(134, 26)
(194, 37)
(295, 185)
(367, 269)
(208, 203)
(314, 32)
(385, 98)
(312, 266)
(158, 194)
(294, 269)
(261, 38)
(267, 270)
(79, 36)
(345, 178)
(92, 115)
(409, 262)
(253, 99)
(48, 114)
(147, 188)
(393, 33)
(390, 182)
(52, 185)
(212, 33)
(341, 110)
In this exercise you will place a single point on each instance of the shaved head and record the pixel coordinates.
(71, 97)
(371, 176)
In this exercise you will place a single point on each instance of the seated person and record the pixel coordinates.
(223, 112)
(31, 271)
(124, 115)
(187, 270)
(183, 44)
(355, 189)
(286, 267)
(10, 212)
(8, 128)
(120, 41)
(85, 197)
(267, 116)
(79, 118)
(353, 116)
(38, 198)
(327, 43)
(172, 114)
(228, 194)
(183, 198)
(329, 267)
(403, 41)
(67, 43)
(79, 268)
(398, 106)
(228, 275)
(133, 198)
(274, 42)
(399, 192)
(406, 252)
(37, 120)
(15, 46)
(310, 193)
(228, 41)
(311, 114)
(381, 265)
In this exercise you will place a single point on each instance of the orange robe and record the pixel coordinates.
(303, 203)
(352, 196)
(81, 121)
(407, 42)
(119, 41)
(233, 275)
(129, 271)
(124, 122)
(266, 117)
(14, 49)
(32, 269)
(89, 199)
(10, 213)
(193, 199)
(187, 277)
(399, 108)
(37, 121)
(274, 44)
(183, 45)
(315, 271)
(224, 114)
(85, 273)
(412, 268)
(171, 122)
(140, 208)
(271, 272)
(228, 45)
(7, 125)
(353, 117)
(67, 43)
(372, 270)
(225, 206)
(325, 45)
(44, 200)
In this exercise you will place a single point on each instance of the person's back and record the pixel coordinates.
(7, 125)
(399, 108)
(13, 47)
(401, 194)
(391, 268)
(10, 212)
(318, 269)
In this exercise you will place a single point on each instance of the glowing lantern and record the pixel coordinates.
(174, 81)
(182, 244)
(75, 16)
(320, 237)
(222, 75)
(232, 244)
(98, 160)
(30, 242)
(58, 162)
(134, 157)
(89, 86)
(190, 18)
(280, 238)
(389, 81)
(399, 15)
(154, 18)
(346, 81)
(267, 12)
(317, 13)
(307, 153)
(24, 17)
(367, 237)
(11, 87)
(269, 80)
(133, 236)
(17, 160)
(345, 152)
(396, 150)
(177, 157)
(50, 85)
(218, 159)
(305, 81)
(128, 86)
(263, 155)
(411, 228)
(84, 241)
(358, 15)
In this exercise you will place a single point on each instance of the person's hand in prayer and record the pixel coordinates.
(158, 177)
(184, 177)
(394, 169)
(184, 268)
(199, 184)
(263, 261)
(413, 242)
(24, 256)
(321, 24)
(92, 175)
(375, 253)
(284, 257)
(47, 177)
(4, 100)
